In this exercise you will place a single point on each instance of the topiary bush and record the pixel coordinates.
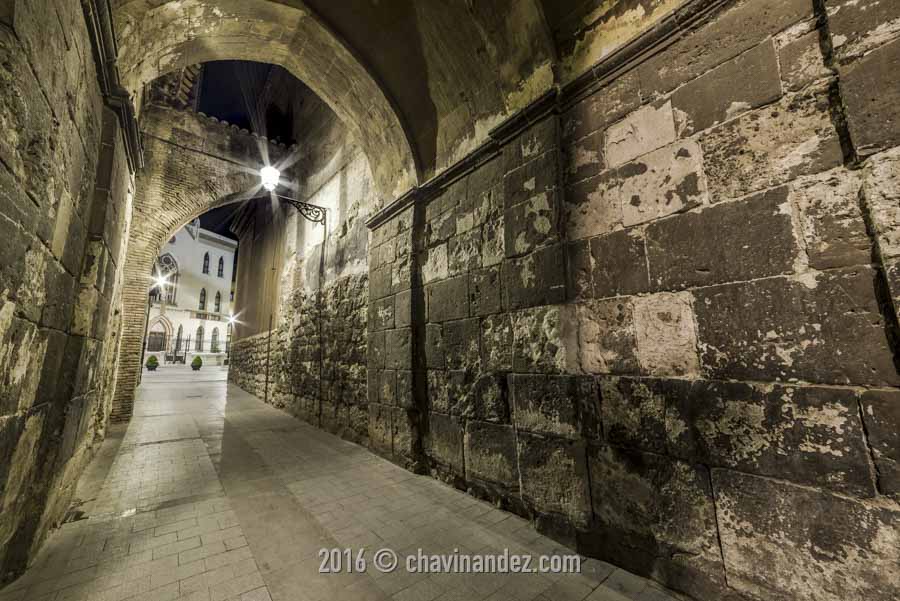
(197, 363)
(152, 363)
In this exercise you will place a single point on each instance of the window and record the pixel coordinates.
(166, 268)
(178, 339)
(198, 346)
(221, 267)
(203, 299)
(218, 302)
(232, 295)
(206, 263)
(214, 343)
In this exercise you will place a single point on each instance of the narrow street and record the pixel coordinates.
(209, 494)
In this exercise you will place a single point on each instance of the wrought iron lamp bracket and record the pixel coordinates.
(310, 212)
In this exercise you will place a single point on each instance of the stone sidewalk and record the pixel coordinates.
(211, 495)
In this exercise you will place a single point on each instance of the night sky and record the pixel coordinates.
(228, 92)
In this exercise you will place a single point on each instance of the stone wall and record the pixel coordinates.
(661, 322)
(312, 362)
(64, 212)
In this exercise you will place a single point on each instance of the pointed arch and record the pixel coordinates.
(198, 343)
(221, 271)
(203, 299)
(214, 341)
(218, 305)
(206, 263)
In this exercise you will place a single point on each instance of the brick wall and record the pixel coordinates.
(192, 164)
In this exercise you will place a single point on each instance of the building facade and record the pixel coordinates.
(191, 298)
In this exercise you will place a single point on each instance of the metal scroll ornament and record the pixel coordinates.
(310, 212)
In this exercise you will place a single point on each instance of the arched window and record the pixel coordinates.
(214, 343)
(178, 339)
(218, 302)
(221, 267)
(198, 346)
(166, 268)
(203, 299)
(206, 263)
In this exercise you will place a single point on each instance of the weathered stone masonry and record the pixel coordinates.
(654, 322)
(65, 181)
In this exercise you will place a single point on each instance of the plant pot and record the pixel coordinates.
(151, 368)
(195, 367)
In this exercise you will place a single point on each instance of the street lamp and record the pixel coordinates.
(269, 177)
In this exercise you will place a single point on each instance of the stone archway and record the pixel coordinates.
(174, 34)
(211, 165)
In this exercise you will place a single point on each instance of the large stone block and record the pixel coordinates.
(464, 252)
(655, 515)
(873, 117)
(538, 176)
(860, 26)
(380, 428)
(583, 158)
(462, 349)
(490, 454)
(746, 82)
(436, 264)
(554, 477)
(580, 269)
(398, 348)
(438, 391)
(600, 109)
(665, 332)
(22, 349)
(619, 264)
(744, 25)
(492, 244)
(729, 242)
(644, 130)
(881, 413)
(485, 291)
(531, 224)
(565, 406)
(543, 339)
(593, 206)
(777, 143)
(802, 62)
(783, 542)
(434, 346)
(497, 342)
(538, 139)
(823, 328)
(666, 181)
(606, 337)
(445, 442)
(633, 411)
(882, 195)
(831, 222)
(808, 435)
(536, 279)
(448, 299)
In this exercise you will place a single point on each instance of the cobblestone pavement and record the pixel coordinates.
(211, 495)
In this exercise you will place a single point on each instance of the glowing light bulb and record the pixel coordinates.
(269, 176)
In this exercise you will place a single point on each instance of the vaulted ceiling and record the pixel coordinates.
(419, 83)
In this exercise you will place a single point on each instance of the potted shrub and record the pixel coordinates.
(197, 363)
(152, 363)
